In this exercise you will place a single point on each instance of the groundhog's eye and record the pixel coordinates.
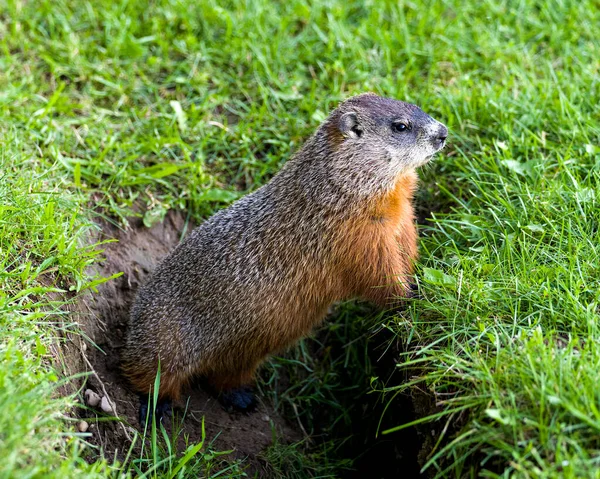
(400, 127)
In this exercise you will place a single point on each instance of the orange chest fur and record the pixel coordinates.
(384, 237)
(395, 208)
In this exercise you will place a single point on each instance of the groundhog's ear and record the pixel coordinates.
(349, 125)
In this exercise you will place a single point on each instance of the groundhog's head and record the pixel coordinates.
(402, 133)
(375, 140)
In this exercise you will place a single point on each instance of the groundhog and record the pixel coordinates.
(337, 222)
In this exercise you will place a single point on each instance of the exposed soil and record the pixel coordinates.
(103, 319)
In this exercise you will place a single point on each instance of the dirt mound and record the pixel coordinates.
(103, 318)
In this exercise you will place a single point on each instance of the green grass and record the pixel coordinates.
(40, 257)
(173, 104)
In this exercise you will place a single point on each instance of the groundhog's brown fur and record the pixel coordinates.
(336, 223)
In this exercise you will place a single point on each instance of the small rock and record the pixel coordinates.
(105, 405)
(266, 418)
(82, 426)
(91, 398)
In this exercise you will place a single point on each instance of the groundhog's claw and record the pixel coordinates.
(163, 408)
(414, 291)
(239, 399)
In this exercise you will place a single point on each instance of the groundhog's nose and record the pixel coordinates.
(441, 135)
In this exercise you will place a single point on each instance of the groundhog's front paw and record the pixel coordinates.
(163, 408)
(413, 291)
(238, 399)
